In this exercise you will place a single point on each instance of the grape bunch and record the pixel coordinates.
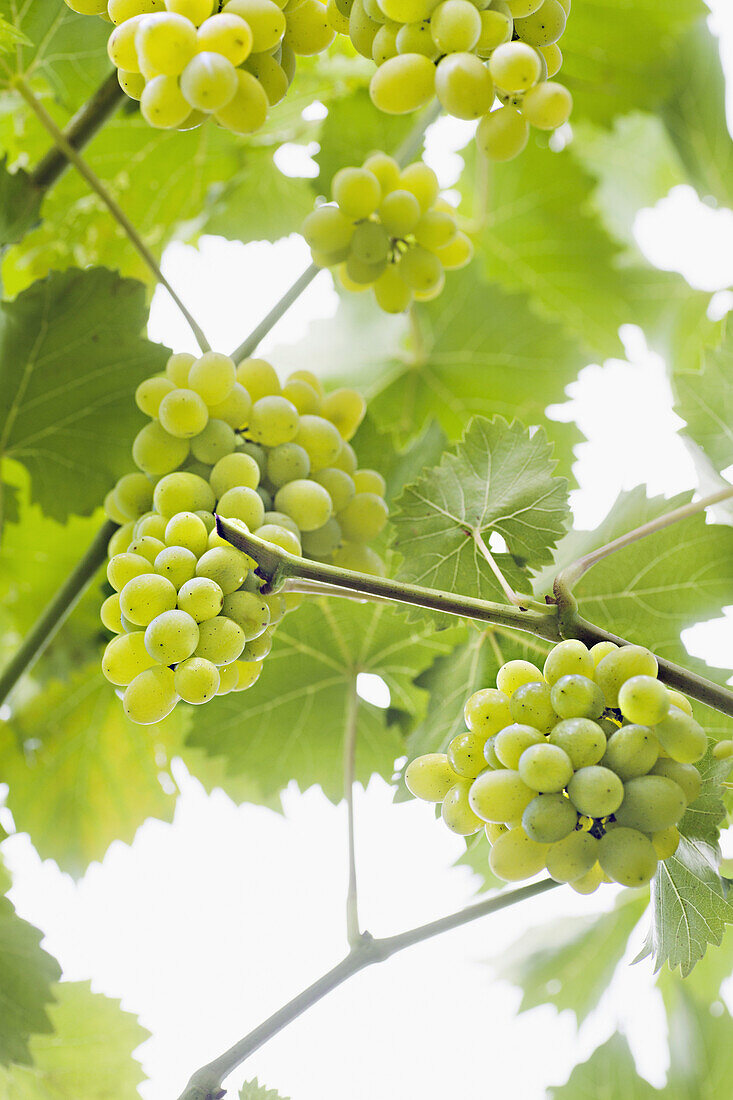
(585, 768)
(388, 228)
(187, 59)
(468, 53)
(186, 610)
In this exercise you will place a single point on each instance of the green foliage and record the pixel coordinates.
(26, 975)
(611, 1062)
(705, 401)
(253, 1090)
(353, 129)
(20, 204)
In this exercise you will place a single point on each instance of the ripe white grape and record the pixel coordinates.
(196, 680)
(502, 134)
(545, 768)
(487, 711)
(466, 755)
(221, 640)
(215, 441)
(531, 704)
(514, 674)
(547, 105)
(171, 637)
(183, 413)
(308, 30)
(685, 776)
(403, 83)
(125, 656)
(651, 803)
(514, 855)
(244, 504)
(596, 791)
(549, 818)
(264, 19)
(150, 393)
(512, 740)
(457, 813)
(619, 665)
(209, 82)
(542, 27)
(515, 67)
(146, 596)
(572, 857)
(151, 696)
(583, 740)
(568, 658)
(123, 567)
(627, 856)
(227, 34)
(224, 565)
(455, 26)
(246, 111)
(430, 777)
(500, 795)
(576, 696)
(177, 564)
(182, 492)
(681, 736)
(165, 43)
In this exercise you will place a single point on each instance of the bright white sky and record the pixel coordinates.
(205, 926)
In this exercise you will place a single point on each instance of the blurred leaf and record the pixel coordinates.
(611, 1066)
(701, 1054)
(353, 129)
(74, 357)
(20, 204)
(398, 465)
(253, 1090)
(89, 1055)
(705, 401)
(26, 974)
(259, 204)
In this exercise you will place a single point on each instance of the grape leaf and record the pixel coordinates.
(498, 481)
(74, 356)
(20, 204)
(291, 724)
(353, 129)
(705, 402)
(26, 974)
(253, 1090)
(609, 1072)
(560, 963)
(89, 1055)
(85, 774)
(703, 818)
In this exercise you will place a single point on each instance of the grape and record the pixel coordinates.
(248, 673)
(287, 462)
(345, 408)
(151, 696)
(514, 855)
(212, 376)
(456, 254)
(165, 43)
(306, 502)
(530, 704)
(457, 812)
(195, 10)
(435, 229)
(455, 26)
(356, 275)
(301, 394)
(171, 637)
(178, 367)
(548, 105)
(500, 795)
(209, 82)
(132, 84)
(308, 30)
(493, 830)
(490, 753)
(601, 650)
(177, 564)
(420, 269)
(339, 486)
(201, 598)
(627, 856)
(345, 459)
(553, 59)
(282, 537)
(466, 755)
(151, 524)
(214, 442)
(264, 19)
(631, 751)
(221, 640)
(386, 169)
(522, 8)
(119, 541)
(321, 439)
(207, 518)
(362, 29)
(543, 27)
(359, 558)
(243, 504)
(270, 75)
(279, 519)
(369, 481)
(357, 192)
(227, 34)
(583, 740)
(399, 212)
(110, 613)
(188, 530)
(234, 471)
(681, 737)
(514, 674)
(327, 230)
(322, 542)
(487, 711)
(370, 244)
(685, 776)
(677, 699)
(511, 741)
(620, 665)
(590, 881)
(666, 842)
(549, 818)
(723, 750)
(545, 768)
(363, 518)
(121, 46)
(496, 28)
(273, 420)
(569, 658)
(577, 696)
(403, 84)
(643, 700)
(249, 611)
(462, 84)
(502, 135)
(421, 182)
(572, 857)
(123, 567)
(224, 565)
(415, 38)
(182, 492)
(258, 378)
(182, 413)
(87, 7)
(146, 596)
(125, 657)
(196, 680)
(150, 393)
(596, 791)
(515, 67)
(651, 803)
(146, 547)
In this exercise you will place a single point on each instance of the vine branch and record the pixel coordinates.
(281, 307)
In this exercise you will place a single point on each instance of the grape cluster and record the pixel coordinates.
(387, 228)
(585, 768)
(187, 59)
(187, 612)
(467, 52)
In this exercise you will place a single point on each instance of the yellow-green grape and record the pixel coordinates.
(515, 67)
(457, 253)
(212, 377)
(420, 269)
(363, 518)
(146, 596)
(177, 564)
(328, 231)
(547, 105)
(151, 696)
(121, 45)
(370, 244)
(133, 495)
(227, 34)
(337, 20)
(132, 84)
(339, 486)
(151, 524)
(150, 393)
(487, 711)
(511, 741)
(187, 530)
(553, 59)
(430, 777)
(549, 818)
(685, 776)
(322, 441)
(119, 541)
(345, 409)
(271, 75)
(503, 134)
(221, 640)
(281, 537)
(514, 674)
(209, 82)
(576, 696)
(362, 29)
(362, 559)
(403, 84)
(308, 30)
(125, 656)
(466, 755)
(112, 510)
(627, 856)
(601, 650)
(435, 229)
(643, 700)
(171, 637)
(572, 857)
(182, 492)
(344, 460)
(666, 842)
(201, 598)
(522, 8)
(406, 11)
(87, 7)
(545, 768)
(568, 658)
(493, 830)
(531, 704)
(234, 471)
(155, 451)
(146, 546)
(182, 413)
(399, 212)
(287, 462)
(651, 803)
(455, 26)
(596, 791)
(179, 366)
(677, 699)
(246, 111)
(357, 192)
(258, 377)
(514, 855)
(207, 518)
(490, 753)
(214, 442)
(357, 275)
(196, 680)
(243, 504)
(414, 38)
(681, 736)
(322, 542)
(281, 520)
(306, 502)
(224, 565)
(722, 750)
(543, 27)
(420, 181)
(273, 420)
(583, 740)
(590, 881)
(369, 481)
(385, 168)
(121, 10)
(631, 751)
(110, 613)
(228, 678)
(195, 10)
(165, 43)
(258, 648)
(264, 19)
(500, 795)
(248, 673)
(249, 611)
(162, 105)
(456, 811)
(496, 28)
(391, 292)
(620, 665)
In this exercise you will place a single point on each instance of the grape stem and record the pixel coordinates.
(205, 1084)
(115, 210)
(352, 908)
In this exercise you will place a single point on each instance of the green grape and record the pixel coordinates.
(515, 67)
(487, 711)
(258, 377)
(235, 471)
(357, 192)
(345, 459)
(681, 737)
(548, 105)
(576, 696)
(201, 598)
(370, 244)
(677, 699)
(549, 818)
(502, 135)
(434, 291)
(521, 8)
(196, 680)
(496, 28)
(322, 542)
(228, 678)
(568, 659)
(543, 27)
(243, 504)
(157, 452)
(514, 674)
(436, 228)
(403, 84)
(171, 637)
(571, 858)
(273, 420)
(119, 541)
(249, 611)
(421, 182)
(385, 168)
(627, 856)
(415, 38)
(490, 753)
(112, 510)
(590, 881)
(246, 111)
(369, 481)
(601, 650)
(500, 795)
(146, 546)
(195, 10)
(406, 11)
(146, 596)
(357, 275)
(308, 30)
(123, 567)
(363, 518)
(620, 665)
(306, 502)
(553, 59)
(280, 536)
(248, 673)
(110, 613)
(399, 212)
(151, 696)
(150, 393)
(207, 518)
(177, 564)
(187, 530)
(596, 791)
(362, 29)
(125, 657)
(264, 19)
(457, 812)
(643, 700)
(723, 750)
(511, 741)
(455, 26)
(631, 751)
(391, 292)
(456, 254)
(212, 376)
(651, 803)
(121, 47)
(165, 43)
(583, 740)
(530, 704)
(466, 755)
(270, 75)
(420, 269)
(279, 519)
(429, 777)
(666, 842)
(287, 462)
(221, 640)
(337, 20)
(327, 230)
(151, 524)
(321, 439)
(178, 367)
(210, 82)
(182, 492)
(302, 395)
(362, 559)
(514, 855)
(339, 486)
(685, 776)
(132, 84)
(183, 412)
(493, 830)
(545, 768)
(258, 648)
(227, 34)
(214, 442)
(226, 566)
